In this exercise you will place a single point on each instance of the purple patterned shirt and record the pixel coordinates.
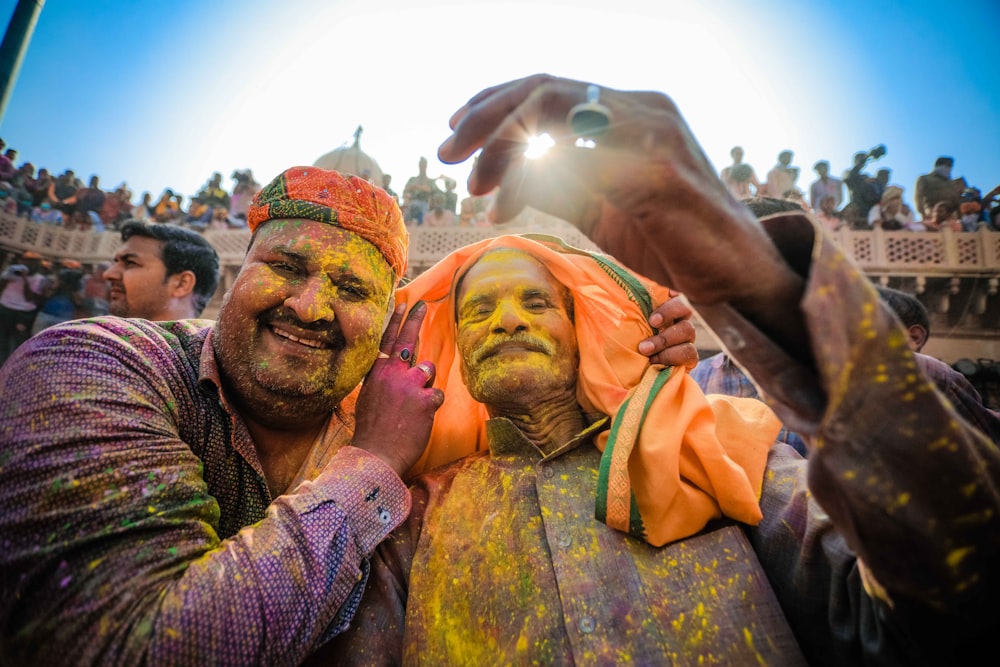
(135, 521)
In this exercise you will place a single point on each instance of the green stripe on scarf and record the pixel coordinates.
(636, 528)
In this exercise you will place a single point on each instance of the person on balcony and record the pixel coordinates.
(891, 214)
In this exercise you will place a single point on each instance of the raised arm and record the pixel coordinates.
(891, 463)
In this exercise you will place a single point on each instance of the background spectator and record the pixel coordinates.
(21, 288)
(937, 186)
(825, 185)
(944, 215)
(891, 214)
(243, 191)
(63, 298)
(782, 177)
(438, 215)
(417, 194)
(739, 177)
(862, 188)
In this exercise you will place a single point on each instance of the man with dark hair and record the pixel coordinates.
(911, 312)
(967, 400)
(21, 288)
(782, 176)
(825, 186)
(739, 176)
(862, 187)
(937, 186)
(162, 273)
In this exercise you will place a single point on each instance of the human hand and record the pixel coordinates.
(646, 194)
(674, 344)
(396, 405)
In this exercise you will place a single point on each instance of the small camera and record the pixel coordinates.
(877, 152)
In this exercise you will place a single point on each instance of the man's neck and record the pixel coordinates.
(548, 426)
(281, 451)
(176, 310)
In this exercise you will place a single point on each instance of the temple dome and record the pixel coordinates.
(352, 160)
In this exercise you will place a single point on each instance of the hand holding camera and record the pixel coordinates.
(877, 152)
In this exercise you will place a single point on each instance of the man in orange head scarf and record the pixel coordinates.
(715, 460)
(502, 559)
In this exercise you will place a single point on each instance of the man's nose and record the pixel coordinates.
(509, 318)
(313, 300)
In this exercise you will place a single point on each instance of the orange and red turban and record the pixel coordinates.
(349, 202)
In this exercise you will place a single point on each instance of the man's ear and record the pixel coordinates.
(183, 284)
(918, 336)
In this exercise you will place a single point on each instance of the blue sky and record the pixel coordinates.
(161, 94)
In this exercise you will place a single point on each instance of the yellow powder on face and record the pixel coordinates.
(321, 276)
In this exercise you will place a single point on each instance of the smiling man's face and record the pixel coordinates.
(302, 323)
(516, 336)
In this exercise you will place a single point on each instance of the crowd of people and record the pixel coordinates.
(65, 200)
(858, 200)
(941, 201)
(500, 461)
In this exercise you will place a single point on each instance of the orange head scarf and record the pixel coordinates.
(350, 202)
(673, 458)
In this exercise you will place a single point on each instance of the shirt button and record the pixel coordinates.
(547, 471)
(565, 540)
(587, 625)
(384, 517)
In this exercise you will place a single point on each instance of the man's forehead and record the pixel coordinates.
(507, 268)
(323, 244)
(140, 246)
(310, 237)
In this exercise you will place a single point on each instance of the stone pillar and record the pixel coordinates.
(14, 46)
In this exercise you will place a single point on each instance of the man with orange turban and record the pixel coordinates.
(182, 493)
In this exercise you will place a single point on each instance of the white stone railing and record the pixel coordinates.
(948, 257)
(929, 254)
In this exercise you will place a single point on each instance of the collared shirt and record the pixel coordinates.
(135, 521)
(833, 187)
(718, 374)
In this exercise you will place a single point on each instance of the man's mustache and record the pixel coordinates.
(329, 332)
(519, 339)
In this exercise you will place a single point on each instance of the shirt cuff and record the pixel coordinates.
(371, 495)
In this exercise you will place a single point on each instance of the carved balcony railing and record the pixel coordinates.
(955, 274)
(928, 254)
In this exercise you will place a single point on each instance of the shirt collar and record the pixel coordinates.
(208, 367)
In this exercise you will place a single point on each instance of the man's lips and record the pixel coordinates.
(314, 340)
(511, 347)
